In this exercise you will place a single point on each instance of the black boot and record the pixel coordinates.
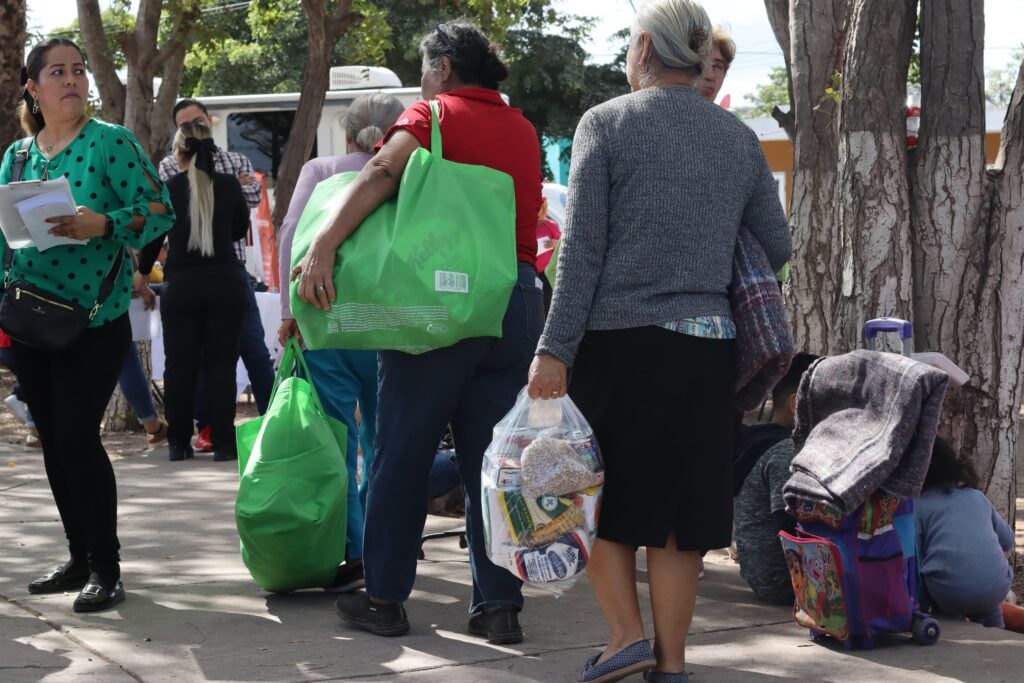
(176, 452)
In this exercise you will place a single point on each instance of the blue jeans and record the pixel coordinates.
(135, 386)
(444, 474)
(255, 357)
(471, 385)
(341, 378)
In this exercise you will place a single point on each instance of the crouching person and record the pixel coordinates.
(761, 468)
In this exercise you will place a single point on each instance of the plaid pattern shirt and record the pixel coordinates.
(708, 327)
(231, 163)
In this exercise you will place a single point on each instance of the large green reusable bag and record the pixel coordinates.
(433, 265)
(291, 508)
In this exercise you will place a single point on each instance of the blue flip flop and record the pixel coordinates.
(630, 660)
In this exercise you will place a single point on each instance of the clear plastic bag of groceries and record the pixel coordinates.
(541, 492)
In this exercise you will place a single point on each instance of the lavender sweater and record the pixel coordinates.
(661, 181)
(313, 171)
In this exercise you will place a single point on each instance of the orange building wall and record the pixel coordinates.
(779, 154)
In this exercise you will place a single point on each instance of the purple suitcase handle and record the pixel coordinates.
(872, 328)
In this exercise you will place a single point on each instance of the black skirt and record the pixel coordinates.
(661, 405)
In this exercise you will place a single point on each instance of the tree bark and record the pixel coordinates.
(874, 200)
(12, 57)
(101, 62)
(934, 237)
(134, 103)
(814, 30)
(324, 31)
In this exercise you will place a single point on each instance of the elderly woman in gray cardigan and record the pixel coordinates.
(661, 181)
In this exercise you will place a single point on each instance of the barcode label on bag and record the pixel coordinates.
(446, 281)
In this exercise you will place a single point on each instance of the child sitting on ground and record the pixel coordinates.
(760, 469)
(961, 543)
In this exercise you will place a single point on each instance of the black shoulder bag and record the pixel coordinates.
(36, 317)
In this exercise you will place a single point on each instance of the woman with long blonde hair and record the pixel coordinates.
(204, 296)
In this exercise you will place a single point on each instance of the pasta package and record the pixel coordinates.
(541, 492)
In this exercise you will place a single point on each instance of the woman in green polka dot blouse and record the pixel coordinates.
(122, 203)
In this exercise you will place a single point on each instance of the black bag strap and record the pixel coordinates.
(17, 171)
(107, 286)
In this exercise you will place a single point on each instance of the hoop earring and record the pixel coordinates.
(35, 105)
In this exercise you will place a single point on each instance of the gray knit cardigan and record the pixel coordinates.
(660, 182)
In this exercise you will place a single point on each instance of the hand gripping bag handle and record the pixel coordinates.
(293, 355)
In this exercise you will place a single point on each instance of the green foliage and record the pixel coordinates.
(117, 18)
(264, 49)
(774, 93)
(999, 83)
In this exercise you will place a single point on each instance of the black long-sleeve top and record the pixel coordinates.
(230, 223)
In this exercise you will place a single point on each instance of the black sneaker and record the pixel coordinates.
(348, 578)
(71, 575)
(382, 619)
(499, 626)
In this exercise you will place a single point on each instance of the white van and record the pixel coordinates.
(258, 125)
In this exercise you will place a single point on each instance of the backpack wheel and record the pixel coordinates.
(926, 631)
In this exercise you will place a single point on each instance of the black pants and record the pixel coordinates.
(202, 311)
(67, 393)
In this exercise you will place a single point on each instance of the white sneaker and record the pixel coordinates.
(18, 408)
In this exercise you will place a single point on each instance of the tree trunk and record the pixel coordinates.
(936, 239)
(873, 202)
(133, 103)
(812, 36)
(12, 57)
(324, 31)
(101, 63)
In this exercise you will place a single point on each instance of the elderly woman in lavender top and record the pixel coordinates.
(342, 377)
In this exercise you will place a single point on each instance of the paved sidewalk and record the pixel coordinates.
(193, 613)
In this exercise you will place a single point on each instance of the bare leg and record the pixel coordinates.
(673, 581)
(612, 573)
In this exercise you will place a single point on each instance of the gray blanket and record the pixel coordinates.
(865, 420)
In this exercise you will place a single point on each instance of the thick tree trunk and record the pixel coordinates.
(12, 57)
(324, 31)
(938, 240)
(134, 103)
(874, 197)
(101, 63)
(119, 416)
(813, 32)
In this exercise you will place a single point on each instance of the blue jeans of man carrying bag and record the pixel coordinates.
(471, 384)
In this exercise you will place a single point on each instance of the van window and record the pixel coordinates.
(261, 136)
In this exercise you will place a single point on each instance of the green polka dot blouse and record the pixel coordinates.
(107, 169)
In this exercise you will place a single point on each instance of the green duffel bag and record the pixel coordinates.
(432, 266)
(292, 502)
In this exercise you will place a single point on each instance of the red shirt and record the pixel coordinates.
(477, 127)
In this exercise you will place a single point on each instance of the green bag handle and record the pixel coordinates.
(291, 357)
(435, 128)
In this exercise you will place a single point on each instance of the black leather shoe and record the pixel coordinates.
(499, 626)
(176, 453)
(69, 576)
(96, 597)
(383, 619)
(224, 454)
